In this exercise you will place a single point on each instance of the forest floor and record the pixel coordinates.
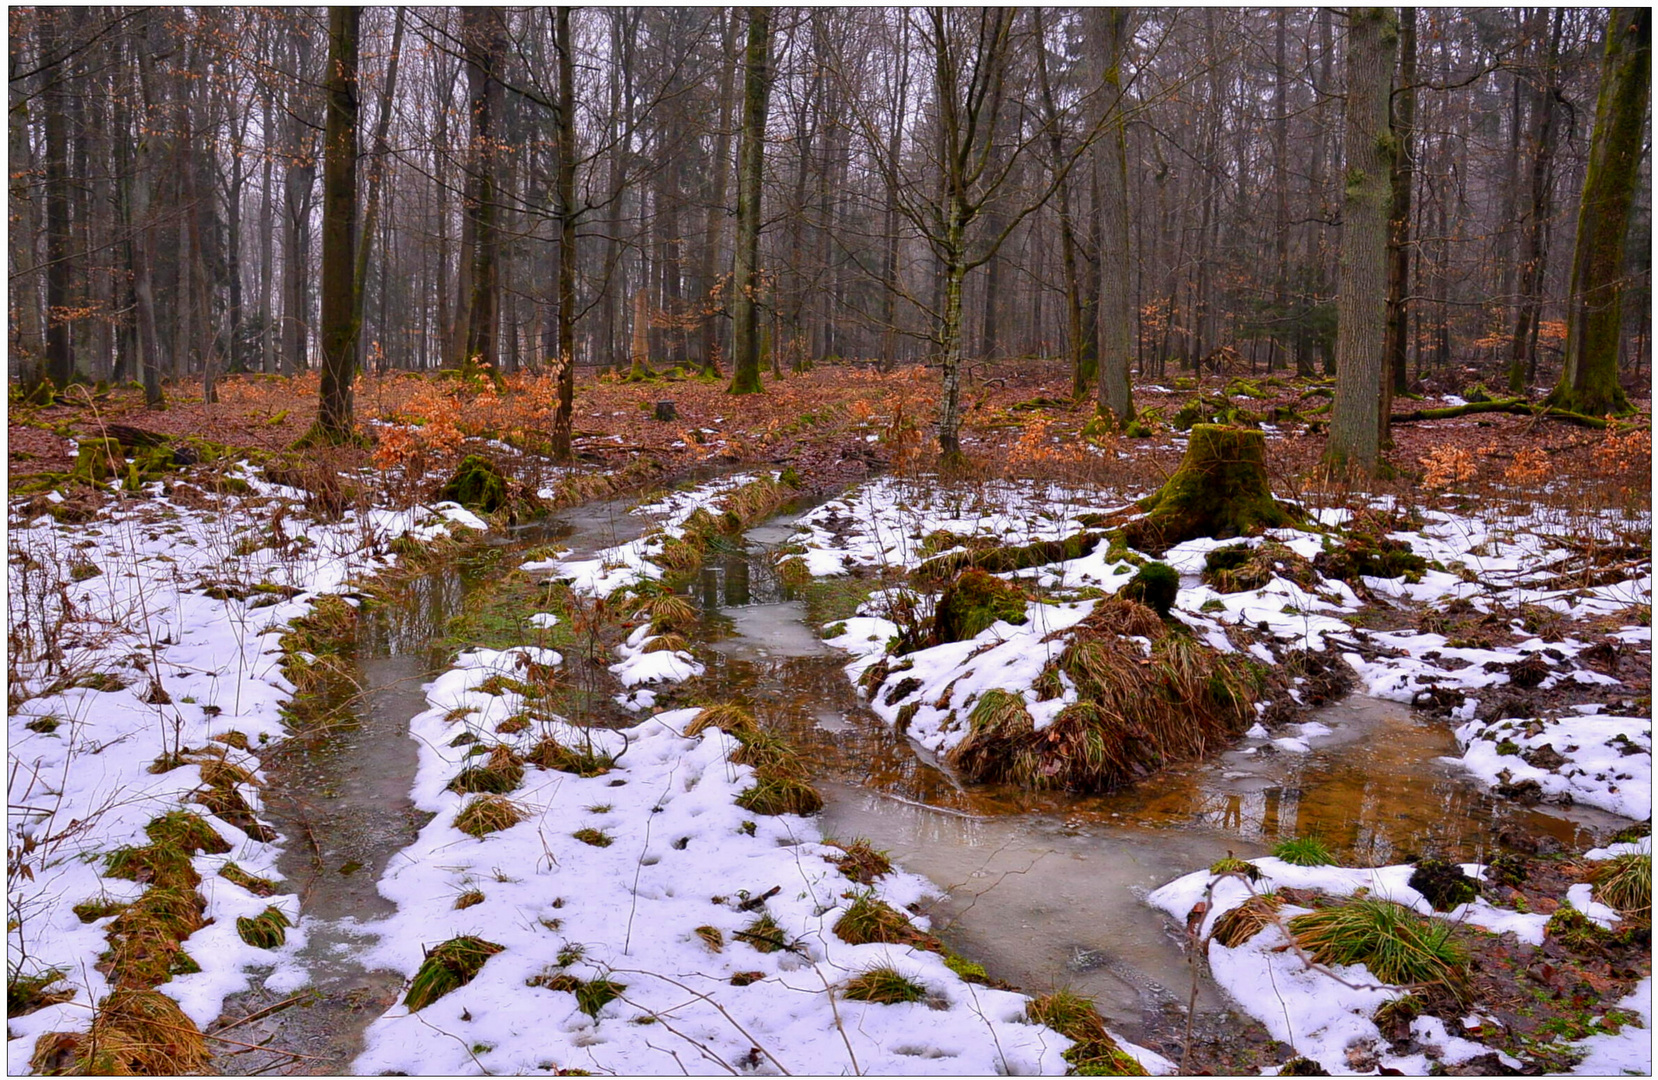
(169, 625)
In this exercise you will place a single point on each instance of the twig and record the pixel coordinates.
(261, 1013)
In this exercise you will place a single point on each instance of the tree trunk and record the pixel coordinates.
(485, 47)
(1116, 310)
(745, 323)
(60, 356)
(564, 195)
(1539, 209)
(1356, 418)
(1398, 237)
(1589, 383)
(143, 244)
(377, 175)
(340, 304)
(714, 228)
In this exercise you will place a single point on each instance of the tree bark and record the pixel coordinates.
(564, 195)
(60, 356)
(1589, 383)
(1116, 308)
(745, 323)
(1397, 348)
(714, 228)
(1539, 209)
(340, 305)
(482, 34)
(1356, 418)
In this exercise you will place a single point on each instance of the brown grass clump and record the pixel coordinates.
(869, 920)
(883, 985)
(668, 642)
(666, 612)
(1396, 944)
(134, 1033)
(731, 719)
(862, 863)
(187, 832)
(1246, 920)
(503, 772)
(1137, 713)
(487, 814)
(549, 753)
(773, 793)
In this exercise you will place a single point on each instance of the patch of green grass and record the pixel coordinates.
(187, 832)
(835, 599)
(93, 910)
(591, 994)
(1396, 944)
(448, 967)
(267, 930)
(764, 934)
(883, 985)
(26, 993)
(777, 793)
(1304, 851)
(967, 969)
(593, 837)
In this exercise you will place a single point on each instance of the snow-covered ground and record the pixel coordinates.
(151, 630)
(1326, 1012)
(1507, 571)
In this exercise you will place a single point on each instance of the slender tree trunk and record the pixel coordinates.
(1539, 209)
(1589, 383)
(1356, 419)
(143, 244)
(564, 194)
(1080, 379)
(485, 46)
(60, 355)
(377, 173)
(1397, 347)
(714, 229)
(1116, 298)
(745, 323)
(340, 305)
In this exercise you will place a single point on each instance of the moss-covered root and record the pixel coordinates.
(1219, 490)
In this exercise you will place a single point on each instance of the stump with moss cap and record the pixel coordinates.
(1220, 490)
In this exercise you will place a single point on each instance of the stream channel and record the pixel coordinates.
(1043, 888)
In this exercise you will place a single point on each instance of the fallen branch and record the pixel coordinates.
(1516, 406)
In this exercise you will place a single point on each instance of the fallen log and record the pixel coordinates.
(1516, 406)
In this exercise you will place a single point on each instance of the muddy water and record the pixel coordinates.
(1046, 889)
(340, 797)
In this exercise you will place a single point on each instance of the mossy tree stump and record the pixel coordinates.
(1219, 490)
(477, 485)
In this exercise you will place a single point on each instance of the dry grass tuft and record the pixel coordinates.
(1246, 920)
(134, 1033)
(549, 753)
(862, 863)
(1137, 712)
(503, 772)
(487, 814)
(1624, 882)
(869, 920)
(731, 719)
(883, 985)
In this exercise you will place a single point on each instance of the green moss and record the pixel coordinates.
(258, 886)
(1155, 585)
(477, 484)
(1219, 490)
(1443, 884)
(965, 968)
(972, 603)
(1369, 555)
